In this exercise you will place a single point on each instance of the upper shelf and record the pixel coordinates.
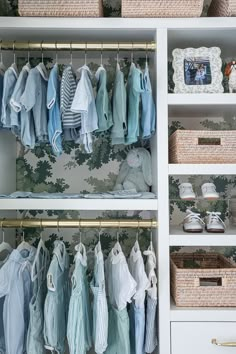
(216, 99)
(78, 204)
(202, 169)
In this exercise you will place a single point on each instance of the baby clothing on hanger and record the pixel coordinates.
(148, 118)
(103, 104)
(100, 309)
(35, 338)
(121, 287)
(57, 299)
(79, 329)
(71, 121)
(15, 285)
(35, 98)
(26, 127)
(84, 103)
(151, 310)
(134, 89)
(137, 309)
(53, 105)
(9, 117)
(119, 109)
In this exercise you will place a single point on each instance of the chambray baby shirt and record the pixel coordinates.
(84, 103)
(35, 98)
(134, 89)
(148, 118)
(57, 300)
(79, 329)
(71, 121)
(16, 286)
(103, 104)
(9, 117)
(119, 129)
(26, 118)
(100, 309)
(54, 122)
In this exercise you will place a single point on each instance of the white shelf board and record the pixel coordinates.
(201, 314)
(202, 169)
(202, 99)
(78, 204)
(179, 238)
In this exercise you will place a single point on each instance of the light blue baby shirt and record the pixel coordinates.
(26, 118)
(134, 89)
(119, 129)
(15, 285)
(148, 119)
(84, 103)
(53, 104)
(35, 98)
(103, 104)
(9, 117)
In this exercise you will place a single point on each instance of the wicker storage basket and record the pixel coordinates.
(202, 146)
(61, 8)
(162, 8)
(202, 280)
(222, 8)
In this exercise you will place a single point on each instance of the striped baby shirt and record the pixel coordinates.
(70, 120)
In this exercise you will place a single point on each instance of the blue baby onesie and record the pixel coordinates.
(79, 330)
(54, 122)
(15, 285)
(26, 118)
(35, 98)
(148, 119)
(134, 89)
(56, 303)
(9, 118)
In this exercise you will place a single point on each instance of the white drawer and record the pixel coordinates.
(196, 337)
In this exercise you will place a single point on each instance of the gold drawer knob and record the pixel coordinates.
(224, 344)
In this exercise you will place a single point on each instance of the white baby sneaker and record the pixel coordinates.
(209, 191)
(214, 223)
(193, 222)
(186, 191)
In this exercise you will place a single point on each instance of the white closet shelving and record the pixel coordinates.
(168, 34)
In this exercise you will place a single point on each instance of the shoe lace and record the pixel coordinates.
(191, 216)
(215, 216)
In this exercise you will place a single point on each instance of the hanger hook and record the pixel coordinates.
(14, 53)
(146, 52)
(23, 233)
(56, 52)
(28, 51)
(1, 60)
(118, 233)
(118, 52)
(101, 53)
(3, 231)
(85, 53)
(132, 53)
(41, 228)
(100, 231)
(58, 228)
(151, 244)
(42, 50)
(138, 232)
(71, 54)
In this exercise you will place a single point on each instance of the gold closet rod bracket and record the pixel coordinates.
(26, 46)
(81, 223)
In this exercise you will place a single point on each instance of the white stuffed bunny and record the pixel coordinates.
(135, 171)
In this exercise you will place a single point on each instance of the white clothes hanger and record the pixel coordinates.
(4, 246)
(23, 245)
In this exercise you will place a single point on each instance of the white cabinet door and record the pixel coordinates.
(196, 337)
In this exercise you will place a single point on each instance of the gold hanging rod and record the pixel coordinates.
(71, 46)
(82, 223)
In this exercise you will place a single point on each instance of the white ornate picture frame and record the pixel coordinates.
(197, 70)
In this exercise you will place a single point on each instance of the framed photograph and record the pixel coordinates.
(197, 70)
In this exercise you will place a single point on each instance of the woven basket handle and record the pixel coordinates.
(206, 281)
(209, 141)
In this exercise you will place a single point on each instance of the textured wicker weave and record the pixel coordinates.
(61, 8)
(162, 8)
(222, 8)
(185, 146)
(187, 280)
